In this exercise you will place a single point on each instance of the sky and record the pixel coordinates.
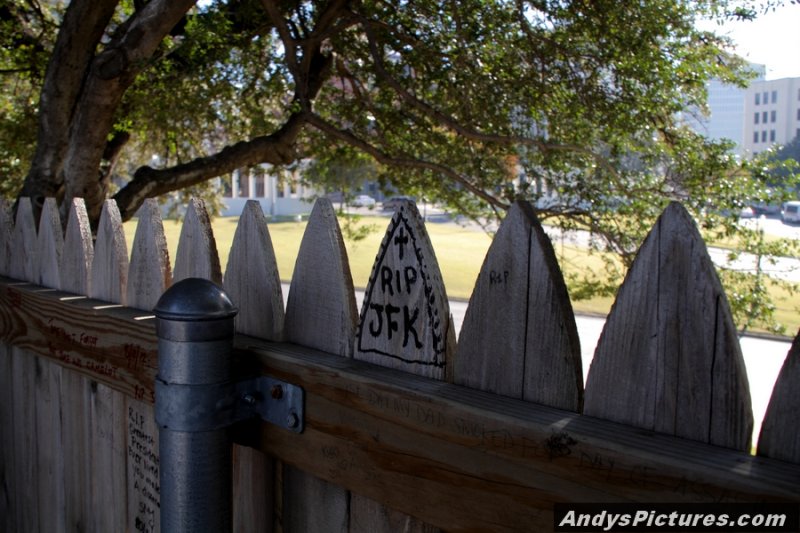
(773, 39)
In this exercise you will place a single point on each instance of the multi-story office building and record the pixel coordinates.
(725, 119)
(771, 114)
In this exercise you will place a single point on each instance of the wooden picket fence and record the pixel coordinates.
(405, 428)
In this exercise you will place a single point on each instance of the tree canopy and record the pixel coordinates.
(577, 106)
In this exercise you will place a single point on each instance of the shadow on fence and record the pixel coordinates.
(406, 429)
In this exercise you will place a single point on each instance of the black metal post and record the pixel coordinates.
(195, 327)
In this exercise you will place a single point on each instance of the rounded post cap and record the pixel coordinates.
(194, 299)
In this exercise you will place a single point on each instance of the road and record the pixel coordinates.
(763, 356)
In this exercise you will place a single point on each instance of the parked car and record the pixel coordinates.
(363, 200)
(791, 212)
(393, 202)
(747, 212)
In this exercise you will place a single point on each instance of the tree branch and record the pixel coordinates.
(148, 182)
(406, 162)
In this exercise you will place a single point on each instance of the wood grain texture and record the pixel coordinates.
(78, 254)
(6, 236)
(49, 450)
(404, 324)
(8, 458)
(26, 464)
(253, 285)
(197, 255)
(149, 273)
(467, 460)
(321, 313)
(779, 436)
(106, 415)
(669, 359)
(49, 246)
(519, 337)
(405, 317)
(110, 262)
(23, 265)
(75, 430)
(461, 459)
(251, 277)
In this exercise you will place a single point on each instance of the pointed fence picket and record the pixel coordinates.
(383, 450)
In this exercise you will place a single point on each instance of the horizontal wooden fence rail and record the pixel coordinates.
(457, 458)
(404, 428)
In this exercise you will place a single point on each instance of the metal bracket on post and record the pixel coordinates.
(219, 405)
(197, 400)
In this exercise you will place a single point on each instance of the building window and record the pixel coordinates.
(772, 136)
(774, 97)
(755, 137)
(764, 117)
(757, 115)
(765, 97)
(798, 114)
(758, 98)
(773, 115)
(764, 136)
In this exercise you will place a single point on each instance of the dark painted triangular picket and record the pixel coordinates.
(669, 359)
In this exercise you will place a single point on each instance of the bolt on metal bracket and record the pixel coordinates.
(275, 401)
(209, 407)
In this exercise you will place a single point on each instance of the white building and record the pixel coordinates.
(772, 114)
(726, 106)
(281, 194)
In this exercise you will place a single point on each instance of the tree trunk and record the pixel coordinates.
(111, 72)
(81, 30)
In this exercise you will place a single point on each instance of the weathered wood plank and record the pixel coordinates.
(8, 487)
(149, 273)
(49, 451)
(26, 471)
(106, 413)
(251, 277)
(141, 451)
(112, 345)
(253, 284)
(110, 262)
(669, 359)
(404, 324)
(75, 429)
(197, 255)
(519, 337)
(405, 317)
(78, 253)
(779, 436)
(50, 243)
(321, 313)
(459, 458)
(23, 244)
(467, 460)
(321, 310)
(6, 237)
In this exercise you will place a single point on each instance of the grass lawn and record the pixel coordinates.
(460, 252)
